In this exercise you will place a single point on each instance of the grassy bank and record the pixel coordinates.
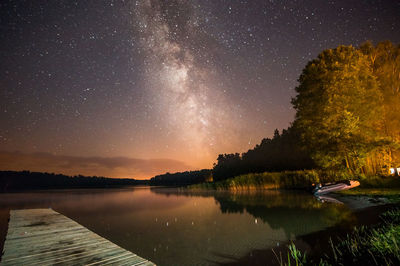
(277, 180)
(377, 187)
(373, 245)
(298, 180)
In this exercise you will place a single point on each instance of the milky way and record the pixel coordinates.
(183, 91)
(136, 88)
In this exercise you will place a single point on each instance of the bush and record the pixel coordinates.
(380, 182)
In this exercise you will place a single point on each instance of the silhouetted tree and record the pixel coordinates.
(282, 152)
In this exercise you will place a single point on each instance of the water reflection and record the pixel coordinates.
(295, 212)
(172, 227)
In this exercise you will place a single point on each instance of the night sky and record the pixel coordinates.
(138, 88)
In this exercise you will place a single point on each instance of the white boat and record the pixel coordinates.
(337, 186)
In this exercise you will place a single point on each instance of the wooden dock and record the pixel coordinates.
(45, 237)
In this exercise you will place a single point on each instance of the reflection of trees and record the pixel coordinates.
(100, 202)
(296, 213)
(171, 191)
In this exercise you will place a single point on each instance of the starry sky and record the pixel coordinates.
(138, 88)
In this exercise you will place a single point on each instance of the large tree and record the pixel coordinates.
(385, 62)
(339, 109)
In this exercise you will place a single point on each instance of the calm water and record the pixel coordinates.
(170, 227)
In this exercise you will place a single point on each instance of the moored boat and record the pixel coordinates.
(337, 186)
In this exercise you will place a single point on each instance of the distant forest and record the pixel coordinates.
(182, 178)
(25, 180)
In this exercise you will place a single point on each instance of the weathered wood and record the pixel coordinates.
(45, 237)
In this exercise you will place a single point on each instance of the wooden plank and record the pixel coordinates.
(45, 237)
(34, 250)
(56, 252)
(79, 257)
(51, 230)
(66, 238)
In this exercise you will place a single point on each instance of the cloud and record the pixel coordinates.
(117, 167)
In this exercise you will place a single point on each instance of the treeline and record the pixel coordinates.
(25, 180)
(182, 178)
(347, 118)
(283, 152)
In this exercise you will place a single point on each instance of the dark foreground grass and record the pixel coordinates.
(373, 245)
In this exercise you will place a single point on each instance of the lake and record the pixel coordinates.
(172, 227)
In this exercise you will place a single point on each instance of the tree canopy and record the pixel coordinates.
(345, 107)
